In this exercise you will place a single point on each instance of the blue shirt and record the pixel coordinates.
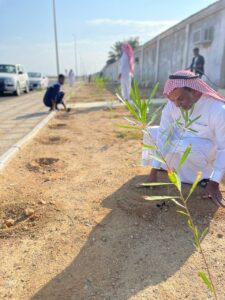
(51, 94)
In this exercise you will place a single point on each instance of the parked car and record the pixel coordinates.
(37, 80)
(13, 78)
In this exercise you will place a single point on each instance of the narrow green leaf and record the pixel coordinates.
(184, 157)
(119, 97)
(156, 198)
(173, 177)
(206, 280)
(192, 121)
(155, 183)
(177, 203)
(183, 113)
(197, 179)
(153, 91)
(155, 114)
(127, 126)
(130, 121)
(192, 109)
(132, 110)
(204, 233)
(192, 130)
(189, 224)
(136, 91)
(149, 146)
(196, 237)
(156, 158)
(182, 212)
(168, 139)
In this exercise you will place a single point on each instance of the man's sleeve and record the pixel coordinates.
(165, 133)
(219, 129)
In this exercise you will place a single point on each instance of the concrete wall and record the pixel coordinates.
(172, 50)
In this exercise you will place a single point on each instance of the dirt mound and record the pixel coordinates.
(62, 116)
(17, 220)
(58, 126)
(53, 140)
(49, 164)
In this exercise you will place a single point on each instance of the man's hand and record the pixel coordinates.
(213, 192)
(153, 175)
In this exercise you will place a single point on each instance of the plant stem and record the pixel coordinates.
(199, 246)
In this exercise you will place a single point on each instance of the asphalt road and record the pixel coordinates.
(18, 116)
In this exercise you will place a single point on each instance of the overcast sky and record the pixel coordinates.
(27, 35)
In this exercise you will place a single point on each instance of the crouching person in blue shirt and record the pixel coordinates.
(53, 96)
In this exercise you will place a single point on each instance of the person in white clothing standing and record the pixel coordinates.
(187, 91)
(71, 78)
(126, 70)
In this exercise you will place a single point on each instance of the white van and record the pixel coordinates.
(13, 78)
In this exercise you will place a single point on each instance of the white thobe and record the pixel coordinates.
(125, 79)
(208, 143)
(71, 78)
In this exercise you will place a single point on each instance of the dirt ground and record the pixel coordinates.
(89, 92)
(82, 229)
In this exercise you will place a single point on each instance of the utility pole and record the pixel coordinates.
(56, 40)
(75, 56)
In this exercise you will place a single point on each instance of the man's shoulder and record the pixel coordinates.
(213, 104)
(55, 84)
(201, 57)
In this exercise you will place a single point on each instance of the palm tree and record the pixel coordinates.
(115, 52)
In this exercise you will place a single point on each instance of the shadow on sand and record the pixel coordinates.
(31, 116)
(135, 246)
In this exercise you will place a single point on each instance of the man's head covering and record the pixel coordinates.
(186, 78)
(126, 47)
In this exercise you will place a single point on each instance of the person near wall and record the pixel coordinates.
(198, 62)
(185, 90)
(53, 96)
(126, 70)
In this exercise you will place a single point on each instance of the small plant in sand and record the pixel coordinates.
(69, 96)
(101, 82)
(144, 115)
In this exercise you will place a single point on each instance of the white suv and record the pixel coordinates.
(13, 78)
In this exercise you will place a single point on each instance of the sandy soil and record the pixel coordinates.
(82, 229)
(89, 92)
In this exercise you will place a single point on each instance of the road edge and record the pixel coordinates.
(12, 151)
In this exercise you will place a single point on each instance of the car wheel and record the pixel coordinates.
(18, 91)
(27, 89)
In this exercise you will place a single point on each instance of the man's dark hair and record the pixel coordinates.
(61, 76)
(196, 49)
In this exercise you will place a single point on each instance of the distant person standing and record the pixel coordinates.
(53, 96)
(198, 61)
(126, 70)
(71, 78)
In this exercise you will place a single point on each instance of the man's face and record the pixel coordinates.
(61, 80)
(196, 52)
(183, 98)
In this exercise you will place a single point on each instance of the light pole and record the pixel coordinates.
(75, 56)
(56, 40)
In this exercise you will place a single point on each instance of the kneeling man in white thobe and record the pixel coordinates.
(187, 91)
